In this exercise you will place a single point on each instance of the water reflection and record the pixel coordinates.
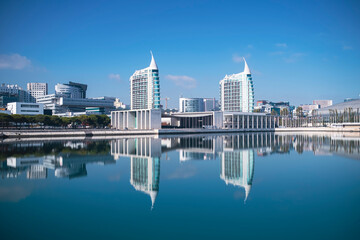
(236, 155)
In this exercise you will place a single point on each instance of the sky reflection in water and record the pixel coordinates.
(243, 185)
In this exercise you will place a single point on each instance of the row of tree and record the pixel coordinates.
(29, 121)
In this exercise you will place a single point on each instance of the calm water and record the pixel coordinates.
(256, 186)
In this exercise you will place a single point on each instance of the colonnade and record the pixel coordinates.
(237, 121)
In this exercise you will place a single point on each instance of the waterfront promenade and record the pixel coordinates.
(63, 133)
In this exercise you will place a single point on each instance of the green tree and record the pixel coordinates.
(299, 111)
(5, 119)
(284, 112)
(19, 119)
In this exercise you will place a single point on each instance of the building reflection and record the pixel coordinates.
(236, 154)
(144, 156)
(70, 162)
(237, 168)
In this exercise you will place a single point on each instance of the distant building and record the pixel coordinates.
(354, 105)
(120, 105)
(237, 92)
(59, 104)
(268, 106)
(71, 90)
(13, 90)
(25, 108)
(37, 89)
(211, 104)
(198, 105)
(6, 98)
(323, 103)
(145, 87)
(191, 105)
(307, 109)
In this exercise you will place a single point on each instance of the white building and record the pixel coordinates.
(71, 90)
(37, 89)
(59, 104)
(145, 87)
(323, 103)
(136, 119)
(237, 92)
(25, 108)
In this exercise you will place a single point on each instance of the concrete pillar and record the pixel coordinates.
(247, 121)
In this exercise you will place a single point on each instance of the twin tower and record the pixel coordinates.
(236, 90)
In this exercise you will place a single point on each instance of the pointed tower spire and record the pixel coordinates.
(247, 191)
(246, 68)
(153, 195)
(152, 63)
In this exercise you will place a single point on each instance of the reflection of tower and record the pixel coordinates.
(237, 168)
(145, 176)
(145, 156)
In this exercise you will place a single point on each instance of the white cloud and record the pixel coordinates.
(237, 58)
(250, 46)
(294, 57)
(14, 61)
(114, 76)
(277, 53)
(347, 47)
(281, 45)
(183, 172)
(182, 81)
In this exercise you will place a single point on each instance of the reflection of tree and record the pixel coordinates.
(54, 148)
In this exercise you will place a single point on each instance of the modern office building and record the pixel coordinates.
(6, 98)
(211, 104)
(14, 90)
(191, 105)
(71, 90)
(198, 104)
(145, 87)
(25, 108)
(59, 104)
(37, 89)
(237, 92)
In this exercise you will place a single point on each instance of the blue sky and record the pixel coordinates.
(297, 50)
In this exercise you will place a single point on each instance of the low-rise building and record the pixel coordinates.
(25, 108)
(60, 104)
